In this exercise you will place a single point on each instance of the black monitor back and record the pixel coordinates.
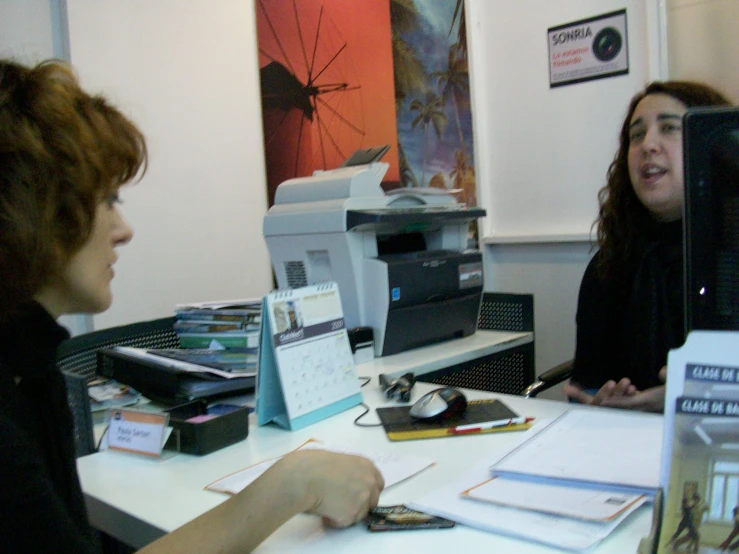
(711, 222)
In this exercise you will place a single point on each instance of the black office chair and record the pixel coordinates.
(77, 359)
(511, 371)
(507, 372)
(548, 379)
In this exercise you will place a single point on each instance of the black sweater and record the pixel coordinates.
(41, 503)
(626, 326)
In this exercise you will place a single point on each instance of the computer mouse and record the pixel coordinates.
(439, 404)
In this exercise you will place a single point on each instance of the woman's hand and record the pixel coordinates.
(339, 487)
(622, 395)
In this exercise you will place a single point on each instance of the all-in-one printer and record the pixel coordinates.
(400, 259)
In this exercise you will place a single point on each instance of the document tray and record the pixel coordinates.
(164, 383)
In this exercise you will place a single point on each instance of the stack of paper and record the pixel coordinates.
(569, 485)
(558, 531)
(614, 449)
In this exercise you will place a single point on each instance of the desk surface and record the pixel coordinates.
(138, 499)
(445, 354)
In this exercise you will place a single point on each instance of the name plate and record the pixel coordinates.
(138, 432)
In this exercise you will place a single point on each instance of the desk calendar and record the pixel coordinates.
(306, 369)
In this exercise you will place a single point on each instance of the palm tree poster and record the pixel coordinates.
(326, 76)
(432, 96)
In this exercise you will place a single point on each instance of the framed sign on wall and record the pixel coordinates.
(588, 49)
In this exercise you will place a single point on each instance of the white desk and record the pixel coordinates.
(446, 354)
(138, 499)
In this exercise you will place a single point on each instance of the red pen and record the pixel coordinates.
(477, 427)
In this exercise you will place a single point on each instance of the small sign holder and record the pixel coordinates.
(139, 432)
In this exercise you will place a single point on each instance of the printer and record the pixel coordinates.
(400, 259)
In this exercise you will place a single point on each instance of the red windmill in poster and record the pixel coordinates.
(311, 95)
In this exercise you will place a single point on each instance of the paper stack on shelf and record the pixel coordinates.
(106, 394)
(218, 325)
(171, 380)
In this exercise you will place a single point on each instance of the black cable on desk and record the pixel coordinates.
(366, 409)
(105, 432)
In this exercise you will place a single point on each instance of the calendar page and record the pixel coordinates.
(312, 352)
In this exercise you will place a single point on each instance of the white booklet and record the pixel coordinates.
(616, 449)
(701, 443)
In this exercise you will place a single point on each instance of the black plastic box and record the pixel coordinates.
(207, 436)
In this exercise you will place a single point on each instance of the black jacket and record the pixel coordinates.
(41, 503)
(626, 326)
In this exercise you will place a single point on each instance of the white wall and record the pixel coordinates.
(703, 43)
(542, 152)
(30, 30)
(187, 75)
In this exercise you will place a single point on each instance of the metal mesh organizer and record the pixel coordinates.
(508, 372)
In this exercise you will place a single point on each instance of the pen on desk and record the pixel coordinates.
(477, 427)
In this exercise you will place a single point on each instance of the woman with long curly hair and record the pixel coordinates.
(630, 306)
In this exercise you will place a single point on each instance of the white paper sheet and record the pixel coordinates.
(393, 467)
(586, 503)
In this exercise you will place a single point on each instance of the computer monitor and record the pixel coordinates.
(711, 218)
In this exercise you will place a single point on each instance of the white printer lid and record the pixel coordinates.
(322, 202)
(344, 182)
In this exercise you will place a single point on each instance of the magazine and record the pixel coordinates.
(229, 359)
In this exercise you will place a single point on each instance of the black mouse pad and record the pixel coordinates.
(400, 425)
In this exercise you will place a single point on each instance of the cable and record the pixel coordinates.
(366, 408)
(105, 431)
(364, 413)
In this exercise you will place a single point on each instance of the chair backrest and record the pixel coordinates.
(506, 372)
(77, 359)
(501, 311)
(78, 355)
(79, 404)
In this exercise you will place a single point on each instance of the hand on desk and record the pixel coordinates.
(340, 488)
(622, 395)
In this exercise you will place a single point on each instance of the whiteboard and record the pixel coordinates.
(541, 153)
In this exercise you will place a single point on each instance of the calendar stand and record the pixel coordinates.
(306, 369)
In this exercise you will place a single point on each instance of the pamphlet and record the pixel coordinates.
(700, 467)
